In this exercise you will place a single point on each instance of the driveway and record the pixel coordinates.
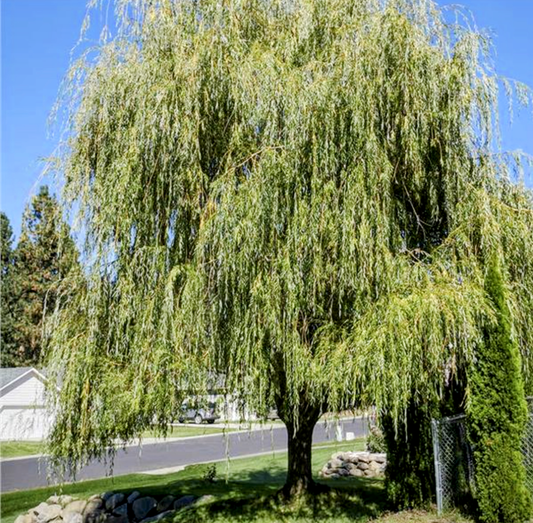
(32, 472)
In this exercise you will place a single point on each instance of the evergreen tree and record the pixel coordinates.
(497, 412)
(293, 195)
(45, 254)
(8, 296)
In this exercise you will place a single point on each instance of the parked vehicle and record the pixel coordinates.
(198, 415)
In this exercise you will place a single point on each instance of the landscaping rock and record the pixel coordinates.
(106, 495)
(97, 516)
(39, 508)
(143, 506)
(121, 510)
(77, 505)
(49, 513)
(133, 496)
(184, 501)
(165, 504)
(114, 501)
(26, 518)
(93, 505)
(356, 464)
(72, 517)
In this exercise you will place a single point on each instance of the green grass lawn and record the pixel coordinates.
(243, 492)
(12, 449)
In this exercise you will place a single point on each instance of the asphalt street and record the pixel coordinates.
(26, 473)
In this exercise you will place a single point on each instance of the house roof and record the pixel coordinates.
(10, 374)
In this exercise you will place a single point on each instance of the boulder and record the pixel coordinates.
(363, 457)
(142, 507)
(60, 500)
(363, 466)
(72, 517)
(335, 463)
(39, 508)
(159, 517)
(114, 501)
(26, 518)
(184, 501)
(121, 510)
(380, 458)
(49, 513)
(96, 516)
(356, 473)
(106, 495)
(374, 466)
(93, 505)
(165, 504)
(133, 496)
(77, 505)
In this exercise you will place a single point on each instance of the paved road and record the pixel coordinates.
(32, 472)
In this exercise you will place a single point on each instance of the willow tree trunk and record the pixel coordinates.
(300, 439)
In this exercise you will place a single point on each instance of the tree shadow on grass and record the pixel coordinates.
(253, 498)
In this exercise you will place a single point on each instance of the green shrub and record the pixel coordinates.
(497, 412)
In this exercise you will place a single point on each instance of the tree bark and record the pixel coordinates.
(300, 439)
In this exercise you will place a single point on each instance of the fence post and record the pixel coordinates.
(436, 457)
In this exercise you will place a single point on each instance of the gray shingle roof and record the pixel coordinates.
(8, 374)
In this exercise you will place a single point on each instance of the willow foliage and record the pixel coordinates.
(298, 194)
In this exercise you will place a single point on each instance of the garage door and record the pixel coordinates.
(18, 423)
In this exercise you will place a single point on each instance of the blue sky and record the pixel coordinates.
(37, 37)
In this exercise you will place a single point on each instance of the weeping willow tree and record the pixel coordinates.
(298, 195)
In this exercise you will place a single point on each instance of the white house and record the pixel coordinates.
(23, 414)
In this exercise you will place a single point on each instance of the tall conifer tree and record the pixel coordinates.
(45, 254)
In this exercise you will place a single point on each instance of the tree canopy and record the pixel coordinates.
(301, 195)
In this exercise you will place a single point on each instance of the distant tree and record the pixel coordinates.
(45, 254)
(299, 196)
(8, 298)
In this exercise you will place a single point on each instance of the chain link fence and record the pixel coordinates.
(454, 462)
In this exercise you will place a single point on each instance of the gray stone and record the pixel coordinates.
(75, 506)
(363, 457)
(72, 517)
(39, 508)
(26, 518)
(343, 472)
(121, 510)
(363, 466)
(184, 501)
(159, 517)
(369, 473)
(335, 463)
(133, 496)
(334, 476)
(93, 505)
(380, 458)
(96, 516)
(106, 495)
(143, 506)
(114, 501)
(350, 466)
(165, 503)
(356, 473)
(49, 514)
